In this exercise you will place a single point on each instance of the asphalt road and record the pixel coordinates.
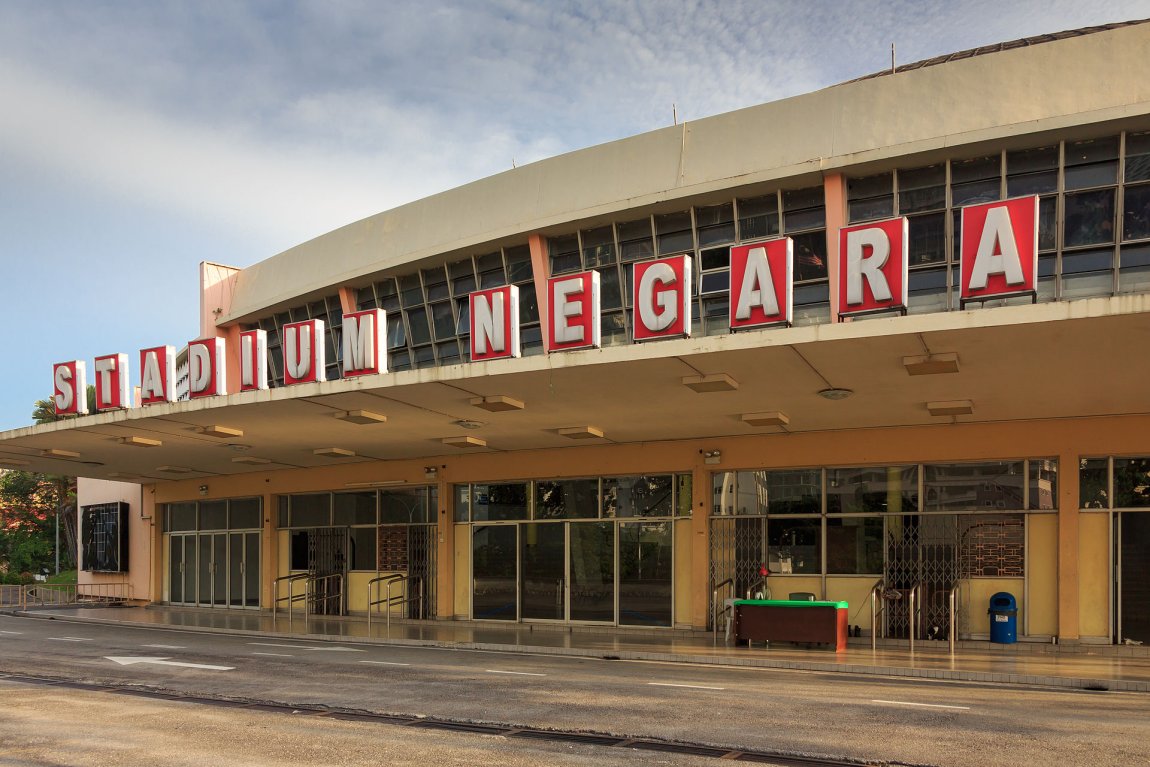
(831, 715)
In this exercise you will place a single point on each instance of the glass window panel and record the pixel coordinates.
(1043, 484)
(213, 515)
(244, 514)
(507, 500)
(528, 304)
(592, 553)
(598, 246)
(723, 495)
(922, 189)
(354, 509)
(927, 236)
(749, 496)
(869, 210)
(794, 546)
(1136, 213)
(298, 557)
(443, 320)
(396, 332)
(717, 316)
(870, 197)
(638, 496)
(435, 281)
(1089, 218)
(613, 328)
(462, 495)
(282, 508)
(410, 290)
(1087, 261)
(406, 506)
(810, 256)
(974, 192)
(715, 224)
(564, 254)
(461, 286)
(181, 516)
(417, 322)
(490, 268)
(494, 568)
(447, 352)
(674, 233)
(975, 169)
(872, 490)
(855, 546)
(635, 241)
(715, 282)
(532, 339)
(1047, 223)
(400, 360)
(610, 297)
(803, 209)
(310, 510)
(758, 217)
(1137, 156)
(973, 486)
(795, 491)
(646, 569)
(518, 263)
(715, 258)
(365, 298)
(811, 294)
(317, 310)
(463, 311)
(1131, 483)
(567, 499)
(1091, 163)
(424, 356)
(683, 495)
(362, 540)
(1032, 171)
(1094, 483)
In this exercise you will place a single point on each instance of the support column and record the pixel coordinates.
(700, 542)
(835, 200)
(444, 607)
(269, 551)
(1068, 548)
(541, 271)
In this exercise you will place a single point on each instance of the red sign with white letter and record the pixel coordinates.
(364, 352)
(253, 360)
(873, 267)
(1000, 248)
(305, 355)
(494, 323)
(574, 311)
(70, 388)
(761, 291)
(112, 386)
(157, 375)
(662, 298)
(206, 368)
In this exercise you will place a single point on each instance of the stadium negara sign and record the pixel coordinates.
(998, 257)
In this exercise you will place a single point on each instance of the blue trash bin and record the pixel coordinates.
(1003, 613)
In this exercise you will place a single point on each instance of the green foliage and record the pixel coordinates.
(28, 504)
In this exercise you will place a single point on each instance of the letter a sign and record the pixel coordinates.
(1000, 248)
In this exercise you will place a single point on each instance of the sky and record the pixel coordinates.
(138, 139)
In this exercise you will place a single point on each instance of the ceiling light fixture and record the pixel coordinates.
(770, 418)
(467, 423)
(931, 364)
(54, 452)
(251, 460)
(710, 383)
(464, 441)
(361, 417)
(497, 403)
(221, 431)
(333, 452)
(835, 394)
(134, 441)
(951, 407)
(581, 432)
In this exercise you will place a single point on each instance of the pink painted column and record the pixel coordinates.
(835, 200)
(541, 271)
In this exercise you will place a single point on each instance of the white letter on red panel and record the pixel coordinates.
(305, 354)
(363, 347)
(873, 267)
(494, 323)
(112, 386)
(575, 314)
(207, 374)
(662, 298)
(761, 292)
(1000, 248)
(157, 375)
(70, 388)
(253, 360)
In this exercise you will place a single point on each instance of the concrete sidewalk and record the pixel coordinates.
(1099, 667)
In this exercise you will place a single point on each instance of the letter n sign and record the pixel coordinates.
(1000, 249)
(494, 323)
(761, 293)
(662, 298)
(873, 267)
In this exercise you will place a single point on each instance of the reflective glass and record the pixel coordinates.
(646, 567)
(872, 490)
(354, 508)
(311, 510)
(674, 233)
(1136, 213)
(494, 572)
(635, 241)
(244, 514)
(181, 516)
(638, 496)
(1043, 484)
(921, 189)
(1131, 482)
(855, 545)
(794, 546)
(567, 499)
(363, 545)
(213, 515)
(592, 553)
(1094, 483)
(1137, 156)
(499, 501)
(1089, 218)
(715, 224)
(973, 486)
(810, 253)
(795, 491)
(927, 238)
(758, 217)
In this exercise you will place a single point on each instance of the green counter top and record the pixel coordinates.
(789, 603)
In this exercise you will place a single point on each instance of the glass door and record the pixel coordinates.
(542, 571)
(182, 569)
(494, 593)
(251, 569)
(212, 568)
(1133, 583)
(591, 568)
(645, 574)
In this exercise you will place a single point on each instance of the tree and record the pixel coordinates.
(28, 507)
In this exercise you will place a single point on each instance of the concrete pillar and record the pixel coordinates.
(1068, 614)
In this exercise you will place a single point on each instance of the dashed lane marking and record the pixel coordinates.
(384, 663)
(688, 686)
(516, 673)
(165, 646)
(70, 639)
(920, 705)
(276, 654)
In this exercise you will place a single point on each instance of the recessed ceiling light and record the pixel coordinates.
(174, 469)
(467, 423)
(581, 432)
(333, 452)
(931, 364)
(771, 418)
(952, 407)
(835, 394)
(250, 459)
(710, 383)
(226, 432)
(497, 403)
(54, 452)
(135, 441)
(361, 417)
(465, 442)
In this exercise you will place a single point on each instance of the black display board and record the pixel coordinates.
(105, 537)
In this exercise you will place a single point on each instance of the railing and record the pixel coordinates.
(914, 615)
(314, 598)
(766, 589)
(877, 592)
(716, 612)
(64, 594)
(402, 598)
(291, 597)
(952, 601)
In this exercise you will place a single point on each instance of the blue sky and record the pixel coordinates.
(140, 138)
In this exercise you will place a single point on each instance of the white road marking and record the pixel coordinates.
(516, 673)
(69, 639)
(165, 646)
(306, 647)
(277, 654)
(131, 661)
(922, 705)
(689, 686)
(384, 663)
(11, 632)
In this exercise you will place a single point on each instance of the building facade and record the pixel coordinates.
(635, 465)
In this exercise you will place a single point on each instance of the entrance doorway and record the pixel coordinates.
(1133, 543)
(214, 569)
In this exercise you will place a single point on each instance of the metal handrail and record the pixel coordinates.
(953, 603)
(313, 598)
(878, 586)
(761, 582)
(715, 612)
(915, 611)
(60, 594)
(291, 597)
(399, 599)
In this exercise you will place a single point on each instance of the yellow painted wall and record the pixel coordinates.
(684, 572)
(1042, 575)
(462, 565)
(974, 601)
(855, 591)
(783, 585)
(1094, 575)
